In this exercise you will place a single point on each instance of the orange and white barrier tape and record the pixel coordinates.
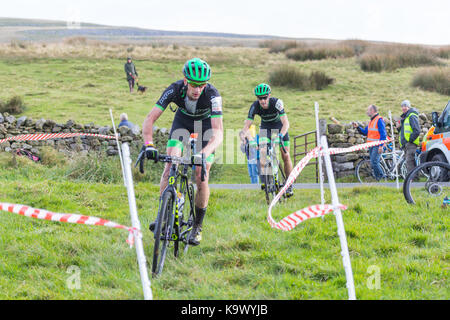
(47, 136)
(65, 217)
(290, 222)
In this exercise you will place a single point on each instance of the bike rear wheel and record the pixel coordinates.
(364, 172)
(163, 232)
(269, 186)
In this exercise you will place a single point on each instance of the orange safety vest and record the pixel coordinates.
(373, 134)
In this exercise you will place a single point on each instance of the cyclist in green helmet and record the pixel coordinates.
(274, 120)
(199, 111)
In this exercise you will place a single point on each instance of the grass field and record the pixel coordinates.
(241, 257)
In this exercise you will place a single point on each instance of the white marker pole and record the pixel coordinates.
(146, 285)
(118, 146)
(340, 223)
(319, 158)
(394, 154)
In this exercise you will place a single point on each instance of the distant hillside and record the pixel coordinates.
(52, 31)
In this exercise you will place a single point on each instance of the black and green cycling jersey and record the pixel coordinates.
(271, 114)
(209, 105)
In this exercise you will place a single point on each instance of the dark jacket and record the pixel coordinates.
(130, 68)
(415, 125)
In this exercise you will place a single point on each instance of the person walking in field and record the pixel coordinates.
(130, 71)
(375, 131)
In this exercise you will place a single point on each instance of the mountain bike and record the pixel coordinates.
(428, 185)
(273, 177)
(176, 213)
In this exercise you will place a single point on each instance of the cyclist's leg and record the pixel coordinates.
(203, 192)
(179, 133)
(286, 156)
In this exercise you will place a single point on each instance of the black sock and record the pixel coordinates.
(199, 215)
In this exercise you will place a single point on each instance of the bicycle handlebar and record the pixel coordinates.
(173, 159)
(281, 142)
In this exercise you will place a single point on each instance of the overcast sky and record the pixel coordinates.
(411, 21)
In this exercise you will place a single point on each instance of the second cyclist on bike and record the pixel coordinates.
(274, 121)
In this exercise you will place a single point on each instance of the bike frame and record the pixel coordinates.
(174, 175)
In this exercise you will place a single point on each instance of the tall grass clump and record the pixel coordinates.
(287, 76)
(277, 46)
(392, 57)
(433, 79)
(320, 52)
(444, 52)
(358, 46)
(14, 105)
(51, 157)
(76, 41)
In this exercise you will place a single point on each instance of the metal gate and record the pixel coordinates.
(302, 145)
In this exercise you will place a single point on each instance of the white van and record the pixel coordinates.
(436, 144)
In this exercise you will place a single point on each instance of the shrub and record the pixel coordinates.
(13, 106)
(392, 57)
(358, 46)
(18, 44)
(51, 157)
(320, 52)
(433, 79)
(277, 46)
(76, 41)
(95, 167)
(444, 52)
(291, 77)
(319, 80)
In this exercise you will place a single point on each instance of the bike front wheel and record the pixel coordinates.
(428, 185)
(163, 232)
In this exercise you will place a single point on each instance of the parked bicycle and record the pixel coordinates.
(272, 171)
(428, 185)
(364, 172)
(176, 211)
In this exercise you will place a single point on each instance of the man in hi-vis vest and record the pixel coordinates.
(375, 131)
(409, 133)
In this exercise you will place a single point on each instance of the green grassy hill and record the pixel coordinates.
(84, 88)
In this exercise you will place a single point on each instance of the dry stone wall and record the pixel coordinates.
(12, 126)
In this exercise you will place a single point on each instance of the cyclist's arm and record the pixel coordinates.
(245, 130)
(217, 137)
(285, 122)
(155, 113)
(248, 122)
(147, 127)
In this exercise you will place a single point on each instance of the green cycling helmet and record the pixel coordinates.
(197, 70)
(262, 90)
